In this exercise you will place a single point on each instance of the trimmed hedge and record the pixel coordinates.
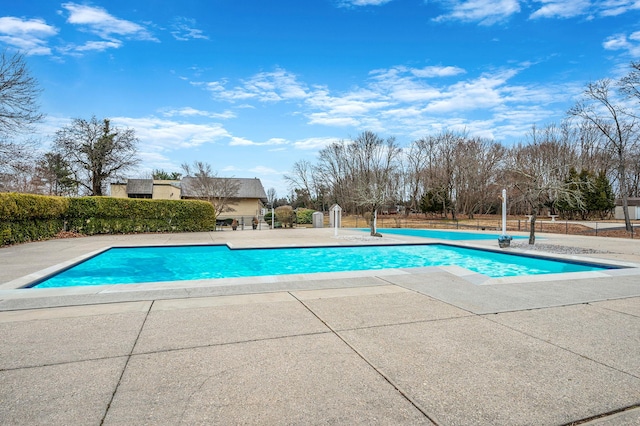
(26, 217)
(106, 215)
(16, 207)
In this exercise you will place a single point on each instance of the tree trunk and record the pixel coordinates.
(532, 228)
(625, 209)
(374, 222)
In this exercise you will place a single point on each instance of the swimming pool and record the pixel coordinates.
(121, 265)
(441, 234)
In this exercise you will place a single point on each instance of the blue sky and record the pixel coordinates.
(253, 86)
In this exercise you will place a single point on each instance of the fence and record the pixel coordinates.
(587, 228)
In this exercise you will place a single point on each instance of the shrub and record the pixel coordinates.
(106, 215)
(285, 215)
(16, 207)
(26, 217)
(304, 216)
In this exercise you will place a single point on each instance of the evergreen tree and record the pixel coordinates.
(435, 201)
(573, 182)
(602, 198)
(55, 174)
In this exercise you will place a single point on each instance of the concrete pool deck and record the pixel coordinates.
(427, 346)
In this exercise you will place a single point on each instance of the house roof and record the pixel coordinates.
(247, 187)
(140, 186)
(631, 201)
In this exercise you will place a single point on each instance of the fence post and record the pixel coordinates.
(566, 227)
(596, 229)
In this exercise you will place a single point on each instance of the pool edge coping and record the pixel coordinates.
(15, 288)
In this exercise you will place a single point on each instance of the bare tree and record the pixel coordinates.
(600, 108)
(334, 172)
(630, 84)
(18, 95)
(302, 182)
(202, 183)
(19, 111)
(416, 162)
(96, 152)
(476, 168)
(539, 176)
(441, 173)
(272, 196)
(373, 162)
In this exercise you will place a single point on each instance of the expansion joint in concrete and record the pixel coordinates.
(404, 394)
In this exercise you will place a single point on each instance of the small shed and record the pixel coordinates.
(318, 219)
(634, 208)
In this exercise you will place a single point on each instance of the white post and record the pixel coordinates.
(335, 222)
(273, 218)
(504, 212)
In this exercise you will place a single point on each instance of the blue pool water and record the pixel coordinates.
(154, 264)
(443, 235)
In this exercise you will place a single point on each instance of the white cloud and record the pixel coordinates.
(617, 7)
(572, 8)
(561, 8)
(98, 21)
(98, 46)
(485, 12)
(427, 99)
(29, 36)
(184, 29)
(237, 141)
(428, 72)
(156, 160)
(616, 42)
(400, 84)
(314, 143)
(192, 112)
(481, 93)
(156, 134)
(273, 86)
(630, 43)
(327, 119)
(263, 170)
(348, 3)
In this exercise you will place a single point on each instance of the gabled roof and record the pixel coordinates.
(247, 188)
(140, 186)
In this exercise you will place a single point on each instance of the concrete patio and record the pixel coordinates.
(424, 346)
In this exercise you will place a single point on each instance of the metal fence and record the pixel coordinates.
(588, 228)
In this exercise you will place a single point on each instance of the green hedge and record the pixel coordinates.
(106, 215)
(26, 217)
(304, 216)
(16, 207)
